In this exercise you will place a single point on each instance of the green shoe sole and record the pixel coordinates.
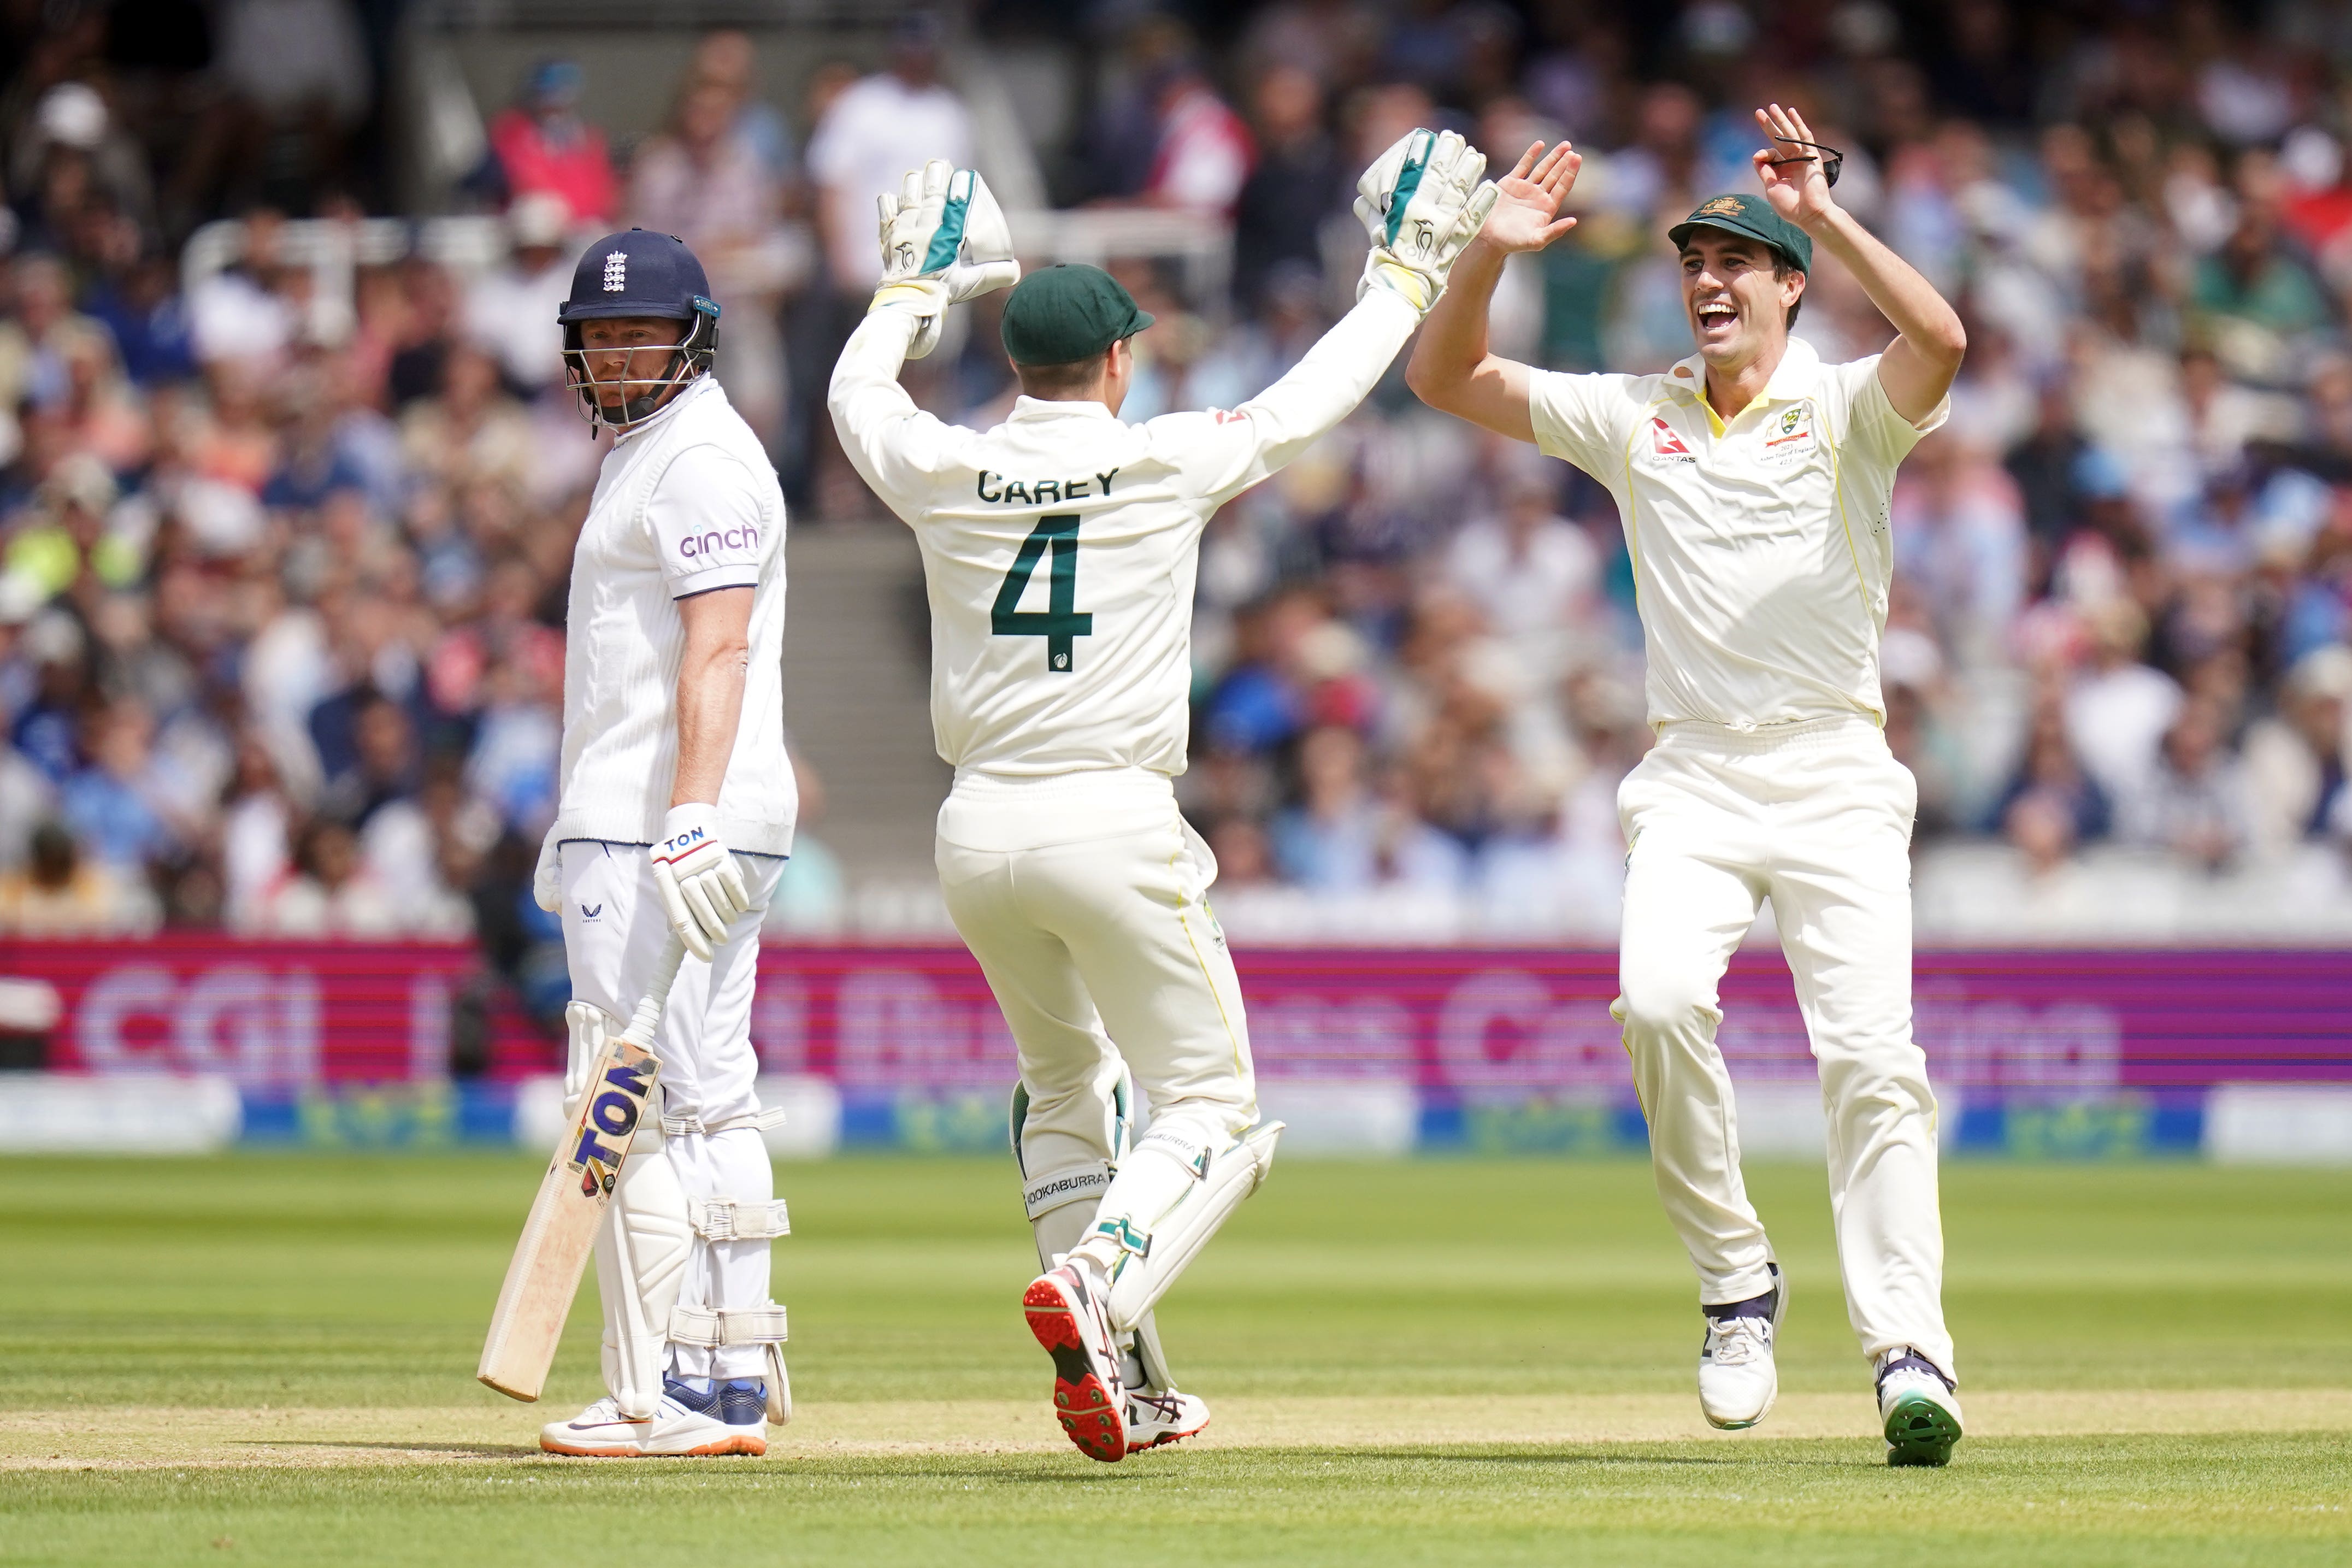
(1920, 1432)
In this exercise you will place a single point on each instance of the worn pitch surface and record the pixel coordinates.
(269, 1358)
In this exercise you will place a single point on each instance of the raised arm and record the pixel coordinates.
(891, 443)
(1452, 369)
(1235, 450)
(1918, 370)
(1420, 202)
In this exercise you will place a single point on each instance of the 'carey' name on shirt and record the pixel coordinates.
(1039, 493)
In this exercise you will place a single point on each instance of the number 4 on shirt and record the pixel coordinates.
(1061, 620)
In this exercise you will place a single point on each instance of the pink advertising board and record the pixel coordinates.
(1478, 1022)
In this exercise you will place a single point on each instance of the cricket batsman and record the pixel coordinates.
(675, 816)
(1060, 550)
(1753, 481)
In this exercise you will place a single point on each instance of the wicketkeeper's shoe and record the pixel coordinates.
(1067, 1316)
(1736, 1378)
(599, 1432)
(1916, 1403)
(1162, 1415)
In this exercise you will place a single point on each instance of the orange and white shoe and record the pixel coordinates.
(677, 1430)
(1156, 1417)
(1069, 1320)
(599, 1432)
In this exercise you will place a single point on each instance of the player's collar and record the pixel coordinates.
(1796, 376)
(1025, 407)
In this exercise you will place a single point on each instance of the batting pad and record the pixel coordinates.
(730, 1219)
(761, 1326)
(1194, 1190)
(641, 1252)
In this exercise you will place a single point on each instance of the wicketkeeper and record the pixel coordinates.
(1060, 550)
(676, 815)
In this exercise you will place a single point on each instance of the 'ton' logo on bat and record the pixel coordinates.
(613, 1114)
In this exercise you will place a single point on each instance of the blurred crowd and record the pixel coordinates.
(2119, 634)
(283, 568)
(283, 560)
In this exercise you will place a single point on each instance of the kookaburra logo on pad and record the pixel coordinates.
(616, 271)
(1425, 237)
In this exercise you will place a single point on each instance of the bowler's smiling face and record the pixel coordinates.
(1737, 307)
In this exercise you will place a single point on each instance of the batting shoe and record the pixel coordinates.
(1065, 1312)
(706, 1421)
(1916, 1403)
(1737, 1381)
(599, 1432)
(1159, 1416)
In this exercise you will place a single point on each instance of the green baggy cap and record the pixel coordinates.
(1753, 217)
(1065, 313)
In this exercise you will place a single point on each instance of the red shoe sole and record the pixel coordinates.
(1090, 1415)
(1163, 1440)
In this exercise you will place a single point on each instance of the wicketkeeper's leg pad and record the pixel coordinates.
(763, 1326)
(1061, 1204)
(1061, 1201)
(1171, 1194)
(641, 1253)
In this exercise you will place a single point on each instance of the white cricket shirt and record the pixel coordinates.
(685, 503)
(1060, 548)
(1760, 550)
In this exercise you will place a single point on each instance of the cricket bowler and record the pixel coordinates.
(1753, 481)
(1060, 550)
(675, 816)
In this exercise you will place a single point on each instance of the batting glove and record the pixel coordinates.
(700, 887)
(547, 877)
(944, 240)
(1422, 202)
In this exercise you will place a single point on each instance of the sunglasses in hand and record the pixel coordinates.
(1829, 158)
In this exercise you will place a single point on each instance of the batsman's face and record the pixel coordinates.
(1737, 310)
(627, 355)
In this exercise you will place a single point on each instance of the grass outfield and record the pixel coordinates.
(269, 1359)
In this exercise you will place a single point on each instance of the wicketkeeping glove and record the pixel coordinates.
(944, 240)
(700, 887)
(1422, 202)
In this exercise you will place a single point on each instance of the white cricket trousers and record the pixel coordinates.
(614, 928)
(1816, 815)
(1084, 898)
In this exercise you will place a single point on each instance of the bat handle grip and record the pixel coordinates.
(648, 1016)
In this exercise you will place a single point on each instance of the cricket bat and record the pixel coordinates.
(544, 1273)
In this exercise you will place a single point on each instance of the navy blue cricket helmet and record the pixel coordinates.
(639, 273)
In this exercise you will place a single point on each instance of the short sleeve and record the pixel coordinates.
(1581, 418)
(1873, 427)
(708, 517)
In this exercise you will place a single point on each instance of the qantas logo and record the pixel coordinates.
(1666, 445)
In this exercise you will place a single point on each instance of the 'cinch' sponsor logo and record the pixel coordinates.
(744, 537)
